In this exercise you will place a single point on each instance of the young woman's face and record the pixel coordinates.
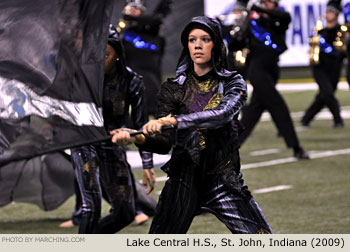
(110, 60)
(200, 46)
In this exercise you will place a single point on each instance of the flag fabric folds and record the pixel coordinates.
(51, 75)
(46, 181)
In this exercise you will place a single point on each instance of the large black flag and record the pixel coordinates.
(46, 181)
(51, 74)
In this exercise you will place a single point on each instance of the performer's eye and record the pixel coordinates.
(206, 39)
(191, 40)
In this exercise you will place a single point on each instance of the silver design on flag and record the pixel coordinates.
(17, 101)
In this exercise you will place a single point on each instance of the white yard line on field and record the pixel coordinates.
(161, 179)
(135, 161)
(264, 152)
(315, 155)
(273, 189)
(324, 114)
(269, 163)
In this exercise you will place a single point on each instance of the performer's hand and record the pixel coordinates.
(127, 10)
(148, 179)
(122, 137)
(155, 126)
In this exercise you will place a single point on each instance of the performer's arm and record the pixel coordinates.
(139, 117)
(235, 95)
(280, 16)
(160, 143)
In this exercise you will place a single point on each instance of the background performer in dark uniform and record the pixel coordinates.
(203, 101)
(267, 42)
(144, 45)
(105, 165)
(327, 71)
(235, 27)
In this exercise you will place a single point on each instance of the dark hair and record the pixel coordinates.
(115, 42)
(334, 6)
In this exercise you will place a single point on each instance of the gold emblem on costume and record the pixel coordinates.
(206, 87)
(214, 101)
(91, 168)
(118, 101)
(263, 231)
(201, 140)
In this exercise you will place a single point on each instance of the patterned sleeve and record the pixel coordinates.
(234, 98)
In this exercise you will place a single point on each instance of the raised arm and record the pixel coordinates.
(278, 15)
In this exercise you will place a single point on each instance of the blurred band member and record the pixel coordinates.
(144, 45)
(327, 72)
(266, 42)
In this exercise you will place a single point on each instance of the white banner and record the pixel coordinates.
(175, 242)
(304, 15)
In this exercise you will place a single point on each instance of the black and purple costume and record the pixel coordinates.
(104, 166)
(204, 169)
